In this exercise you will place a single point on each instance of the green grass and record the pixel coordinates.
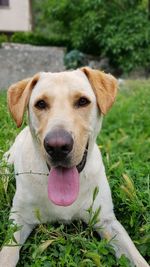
(125, 145)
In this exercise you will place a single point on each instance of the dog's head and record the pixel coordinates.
(64, 110)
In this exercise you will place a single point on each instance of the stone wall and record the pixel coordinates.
(19, 61)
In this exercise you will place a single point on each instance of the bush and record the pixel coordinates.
(3, 38)
(79, 20)
(38, 39)
(74, 59)
(126, 40)
(117, 29)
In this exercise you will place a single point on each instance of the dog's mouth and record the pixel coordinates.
(63, 183)
(82, 163)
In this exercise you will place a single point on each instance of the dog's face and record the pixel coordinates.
(64, 110)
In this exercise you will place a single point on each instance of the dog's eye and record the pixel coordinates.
(82, 102)
(41, 104)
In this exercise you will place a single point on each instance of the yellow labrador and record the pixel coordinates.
(65, 113)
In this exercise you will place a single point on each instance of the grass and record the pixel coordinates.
(125, 145)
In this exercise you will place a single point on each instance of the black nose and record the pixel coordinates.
(58, 144)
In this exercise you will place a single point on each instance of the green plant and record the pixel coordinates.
(126, 39)
(35, 38)
(3, 38)
(117, 29)
(74, 59)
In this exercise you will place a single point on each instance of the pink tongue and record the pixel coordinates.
(63, 185)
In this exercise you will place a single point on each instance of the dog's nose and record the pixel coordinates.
(58, 144)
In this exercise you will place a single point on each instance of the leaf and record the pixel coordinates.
(128, 182)
(42, 247)
(95, 257)
(84, 263)
(127, 192)
(37, 214)
(95, 218)
(95, 193)
(114, 166)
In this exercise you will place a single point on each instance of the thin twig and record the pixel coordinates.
(20, 173)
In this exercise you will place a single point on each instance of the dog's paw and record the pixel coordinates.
(9, 257)
(141, 262)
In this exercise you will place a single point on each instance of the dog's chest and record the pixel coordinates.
(35, 207)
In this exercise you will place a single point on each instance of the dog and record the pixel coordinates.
(65, 112)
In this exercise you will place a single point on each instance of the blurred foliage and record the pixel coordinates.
(35, 38)
(74, 59)
(3, 38)
(126, 40)
(119, 30)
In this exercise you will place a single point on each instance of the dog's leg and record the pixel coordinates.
(120, 240)
(108, 225)
(9, 255)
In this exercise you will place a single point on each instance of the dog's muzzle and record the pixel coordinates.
(63, 179)
(58, 145)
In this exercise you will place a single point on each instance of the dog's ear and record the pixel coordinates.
(104, 86)
(18, 97)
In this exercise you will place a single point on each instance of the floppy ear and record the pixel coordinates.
(18, 97)
(104, 86)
